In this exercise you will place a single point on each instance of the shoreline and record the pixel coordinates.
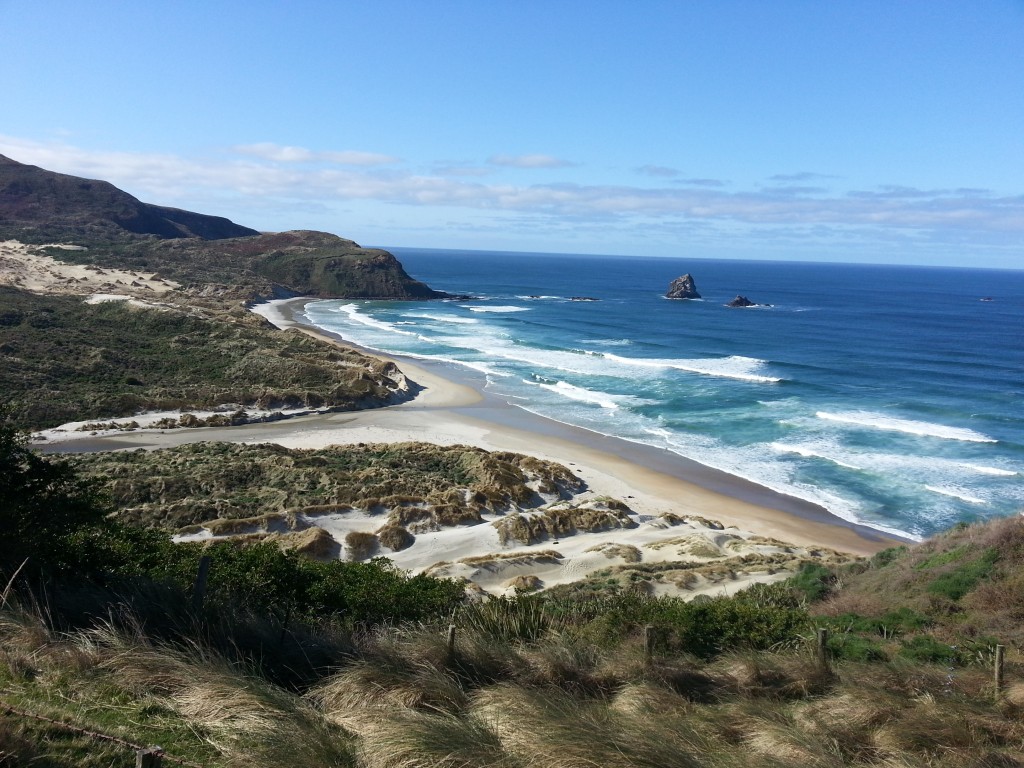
(449, 406)
(736, 501)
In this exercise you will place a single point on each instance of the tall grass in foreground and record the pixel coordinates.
(401, 698)
(528, 683)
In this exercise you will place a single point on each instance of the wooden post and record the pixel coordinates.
(998, 671)
(199, 588)
(649, 638)
(451, 638)
(150, 757)
(823, 646)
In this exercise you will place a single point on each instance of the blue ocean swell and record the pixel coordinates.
(890, 395)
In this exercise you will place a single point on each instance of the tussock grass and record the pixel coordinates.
(361, 545)
(553, 522)
(627, 552)
(395, 537)
(412, 739)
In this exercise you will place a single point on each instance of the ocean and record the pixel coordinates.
(889, 395)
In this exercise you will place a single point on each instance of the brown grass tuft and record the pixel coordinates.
(361, 545)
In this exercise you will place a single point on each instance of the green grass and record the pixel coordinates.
(63, 360)
(956, 583)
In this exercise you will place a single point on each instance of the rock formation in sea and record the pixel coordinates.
(683, 288)
(741, 301)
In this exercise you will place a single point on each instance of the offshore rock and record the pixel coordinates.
(683, 288)
(741, 301)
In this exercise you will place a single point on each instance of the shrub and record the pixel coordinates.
(961, 580)
(856, 648)
(813, 581)
(926, 648)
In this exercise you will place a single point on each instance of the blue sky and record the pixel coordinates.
(842, 130)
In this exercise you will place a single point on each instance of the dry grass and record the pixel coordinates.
(627, 552)
(361, 545)
(554, 522)
(525, 583)
(395, 537)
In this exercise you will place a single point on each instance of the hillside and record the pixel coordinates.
(180, 335)
(66, 360)
(113, 229)
(40, 206)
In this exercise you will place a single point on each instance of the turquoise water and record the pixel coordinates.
(890, 395)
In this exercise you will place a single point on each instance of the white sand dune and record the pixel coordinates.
(31, 268)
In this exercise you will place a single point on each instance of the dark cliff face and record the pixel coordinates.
(33, 199)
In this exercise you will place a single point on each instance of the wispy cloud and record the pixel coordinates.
(284, 154)
(529, 161)
(658, 171)
(801, 176)
(289, 174)
(717, 183)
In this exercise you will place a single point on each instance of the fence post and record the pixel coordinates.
(150, 757)
(451, 638)
(998, 670)
(649, 638)
(199, 588)
(823, 646)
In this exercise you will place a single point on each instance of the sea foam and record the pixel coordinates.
(921, 428)
(732, 367)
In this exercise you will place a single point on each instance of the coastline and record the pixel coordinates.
(451, 407)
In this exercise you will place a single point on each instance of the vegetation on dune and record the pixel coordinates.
(418, 485)
(64, 360)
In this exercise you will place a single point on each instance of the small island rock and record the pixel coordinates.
(683, 288)
(741, 301)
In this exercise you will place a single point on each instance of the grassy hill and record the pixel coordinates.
(64, 360)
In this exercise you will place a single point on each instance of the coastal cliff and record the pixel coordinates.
(207, 255)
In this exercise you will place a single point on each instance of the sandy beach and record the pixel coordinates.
(451, 408)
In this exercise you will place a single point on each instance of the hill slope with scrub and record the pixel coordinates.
(288, 661)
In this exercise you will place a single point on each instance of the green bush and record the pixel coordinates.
(958, 582)
(856, 648)
(925, 648)
(813, 581)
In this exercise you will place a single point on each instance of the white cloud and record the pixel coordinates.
(284, 154)
(529, 161)
(658, 171)
(268, 172)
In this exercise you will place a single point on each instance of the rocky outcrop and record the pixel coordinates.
(683, 288)
(743, 301)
